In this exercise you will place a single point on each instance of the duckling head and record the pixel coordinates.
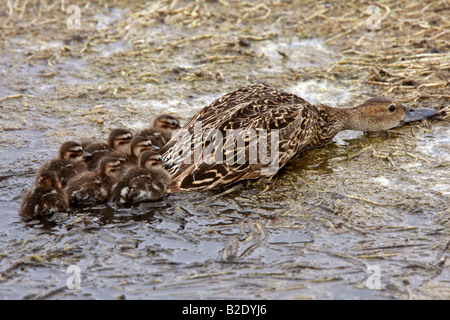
(140, 144)
(110, 168)
(166, 121)
(381, 114)
(151, 160)
(71, 151)
(119, 139)
(48, 179)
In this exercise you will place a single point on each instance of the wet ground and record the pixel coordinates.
(365, 217)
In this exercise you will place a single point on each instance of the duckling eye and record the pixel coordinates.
(392, 108)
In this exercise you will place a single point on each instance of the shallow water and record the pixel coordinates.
(317, 230)
(301, 238)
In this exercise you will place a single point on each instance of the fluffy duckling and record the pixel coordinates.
(68, 164)
(165, 124)
(118, 144)
(45, 198)
(92, 187)
(149, 182)
(138, 145)
(155, 137)
(120, 139)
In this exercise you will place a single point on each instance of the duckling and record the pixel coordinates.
(68, 164)
(155, 137)
(46, 197)
(138, 145)
(119, 139)
(92, 187)
(149, 182)
(165, 124)
(118, 144)
(290, 123)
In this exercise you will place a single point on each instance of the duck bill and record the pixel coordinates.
(86, 155)
(417, 114)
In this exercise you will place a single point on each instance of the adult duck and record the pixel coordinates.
(202, 157)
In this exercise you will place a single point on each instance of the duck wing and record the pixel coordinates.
(207, 152)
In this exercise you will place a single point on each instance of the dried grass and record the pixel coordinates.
(407, 58)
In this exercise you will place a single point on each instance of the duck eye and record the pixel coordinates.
(392, 108)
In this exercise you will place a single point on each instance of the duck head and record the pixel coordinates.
(381, 114)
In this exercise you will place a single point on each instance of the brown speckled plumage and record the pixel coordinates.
(254, 107)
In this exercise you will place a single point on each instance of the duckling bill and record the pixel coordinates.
(298, 124)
